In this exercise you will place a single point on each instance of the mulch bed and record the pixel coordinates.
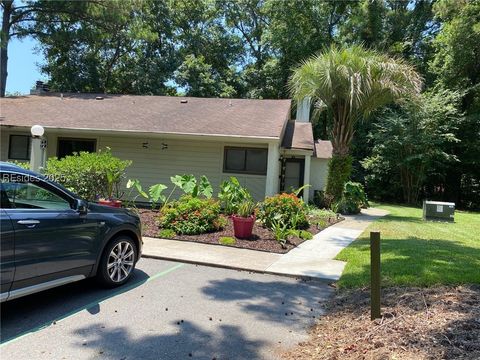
(262, 238)
(431, 323)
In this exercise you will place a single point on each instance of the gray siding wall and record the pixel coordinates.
(318, 175)
(155, 164)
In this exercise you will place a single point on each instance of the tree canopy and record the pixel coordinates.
(248, 49)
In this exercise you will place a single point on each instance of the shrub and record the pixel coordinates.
(339, 170)
(23, 164)
(288, 207)
(88, 174)
(305, 235)
(190, 215)
(321, 217)
(232, 194)
(322, 224)
(319, 199)
(167, 234)
(353, 199)
(227, 240)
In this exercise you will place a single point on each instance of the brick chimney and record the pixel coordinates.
(40, 88)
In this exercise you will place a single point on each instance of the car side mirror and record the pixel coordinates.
(81, 206)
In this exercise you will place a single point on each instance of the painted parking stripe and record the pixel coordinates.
(93, 303)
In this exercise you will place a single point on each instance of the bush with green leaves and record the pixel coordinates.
(166, 234)
(90, 175)
(282, 230)
(353, 199)
(23, 164)
(305, 235)
(192, 215)
(232, 194)
(291, 210)
(227, 240)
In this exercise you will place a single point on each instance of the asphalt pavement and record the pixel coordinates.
(168, 310)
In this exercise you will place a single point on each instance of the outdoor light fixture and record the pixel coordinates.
(37, 130)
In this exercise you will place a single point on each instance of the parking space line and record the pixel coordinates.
(93, 303)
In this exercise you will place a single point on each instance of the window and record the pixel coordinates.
(245, 160)
(68, 146)
(19, 147)
(27, 195)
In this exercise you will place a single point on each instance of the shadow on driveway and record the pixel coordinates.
(30, 313)
(274, 301)
(189, 341)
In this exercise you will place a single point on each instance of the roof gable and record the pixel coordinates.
(298, 135)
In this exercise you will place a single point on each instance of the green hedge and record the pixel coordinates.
(86, 174)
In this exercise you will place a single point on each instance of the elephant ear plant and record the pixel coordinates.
(154, 195)
(187, 183)
(232, 194)
(190, 186)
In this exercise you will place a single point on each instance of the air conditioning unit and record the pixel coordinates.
(438, 210)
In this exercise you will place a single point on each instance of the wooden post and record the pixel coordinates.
(375, 275)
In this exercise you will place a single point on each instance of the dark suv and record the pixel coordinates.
(50, 237)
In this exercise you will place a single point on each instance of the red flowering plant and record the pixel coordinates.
(190, 215)
(288, 207)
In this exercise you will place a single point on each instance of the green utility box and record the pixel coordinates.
(438, 210)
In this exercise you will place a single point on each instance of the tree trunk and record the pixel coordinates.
(7, 12)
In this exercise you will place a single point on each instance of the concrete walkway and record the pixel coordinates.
(312, 259)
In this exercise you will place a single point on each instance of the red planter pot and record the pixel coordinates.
(111, 203)
(242, 226)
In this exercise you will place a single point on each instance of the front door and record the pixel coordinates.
(51, 239)
(293, 176)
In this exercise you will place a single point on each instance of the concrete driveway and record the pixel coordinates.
(169, 311)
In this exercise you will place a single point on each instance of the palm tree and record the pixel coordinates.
(350, 83)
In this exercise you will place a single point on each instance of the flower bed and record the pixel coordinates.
(262, 238)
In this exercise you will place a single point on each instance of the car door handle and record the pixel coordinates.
(28, 223)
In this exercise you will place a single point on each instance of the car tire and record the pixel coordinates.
(117, 262)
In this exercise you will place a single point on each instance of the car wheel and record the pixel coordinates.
(117, 262)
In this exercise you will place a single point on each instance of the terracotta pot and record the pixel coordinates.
(242, 226)
(111, 203)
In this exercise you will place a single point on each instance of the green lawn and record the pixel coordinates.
(415, 252)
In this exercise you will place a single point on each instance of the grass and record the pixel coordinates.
(415, 252)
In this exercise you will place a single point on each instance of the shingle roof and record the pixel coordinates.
(323, 149)
(298, 135)
(156, 114)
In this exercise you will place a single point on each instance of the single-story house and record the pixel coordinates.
(254, 140)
